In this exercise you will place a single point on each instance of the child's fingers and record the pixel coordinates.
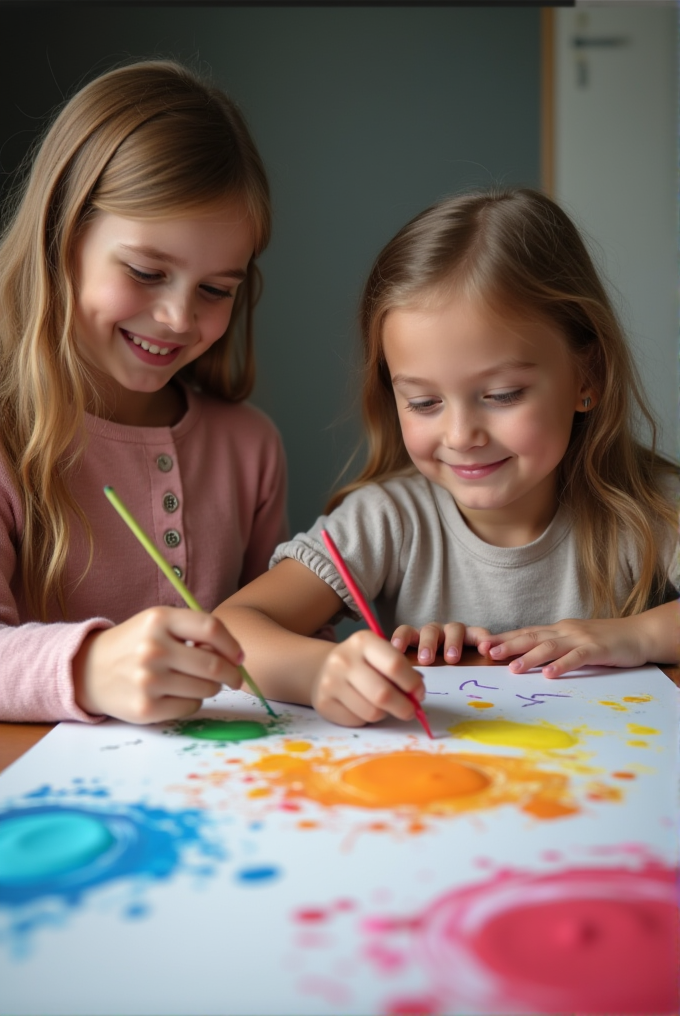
(380, 696)
(454, 637)
(431, 637)
(200, 661)
(212, 653)
(404, 636)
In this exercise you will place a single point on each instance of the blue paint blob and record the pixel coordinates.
(34, 847)
(91, 848)
(255, 876)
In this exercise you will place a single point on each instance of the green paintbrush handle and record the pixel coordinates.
(154, 553)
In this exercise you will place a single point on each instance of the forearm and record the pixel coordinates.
(659, 628)
(281, 662)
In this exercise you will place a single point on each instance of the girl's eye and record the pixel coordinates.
(140, 276)
(217, 294)
(506, 398)
(424, 406)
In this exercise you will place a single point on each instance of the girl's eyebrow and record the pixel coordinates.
(160, 255)
(498, 368)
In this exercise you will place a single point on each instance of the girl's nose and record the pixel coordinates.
(462, 430)
(176, 310)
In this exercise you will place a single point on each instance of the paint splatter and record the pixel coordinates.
(222, 730)
(258, 875)
(537, 736)
(600, 940)
(637, 698)
(481, 705)
(436, 783)
(54, 852)
(616, 706)
(636, 728)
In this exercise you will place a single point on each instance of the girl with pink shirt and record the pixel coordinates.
(128, 281)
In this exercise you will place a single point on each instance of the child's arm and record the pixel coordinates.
(353, 682)
(650, 637)
(453, 636)
(158, 665)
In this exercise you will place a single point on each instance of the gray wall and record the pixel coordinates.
(363, 116)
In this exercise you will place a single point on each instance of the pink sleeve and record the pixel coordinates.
(35, 659)
(270, 523)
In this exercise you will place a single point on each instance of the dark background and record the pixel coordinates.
(363, 115)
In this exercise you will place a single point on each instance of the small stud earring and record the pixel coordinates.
(586, 402)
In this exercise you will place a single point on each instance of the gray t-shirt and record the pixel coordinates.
(412, 554)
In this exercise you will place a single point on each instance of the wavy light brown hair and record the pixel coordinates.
(149, 140)
(519, 253)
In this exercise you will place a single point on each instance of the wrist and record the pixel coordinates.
(81, 671)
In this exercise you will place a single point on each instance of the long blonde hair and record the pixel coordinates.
(517, 251)
(147, 140)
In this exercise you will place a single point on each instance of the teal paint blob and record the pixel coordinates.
(223, 730)
(43, 845)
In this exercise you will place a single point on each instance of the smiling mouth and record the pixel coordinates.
(150, 347)
(477, 469)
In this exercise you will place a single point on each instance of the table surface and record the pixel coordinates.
(17, 738)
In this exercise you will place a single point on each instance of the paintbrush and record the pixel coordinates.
(172, 577)
(369, 617)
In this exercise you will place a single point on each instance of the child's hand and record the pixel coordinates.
(362, 680)
(428, 639)
(570, 644)
(143, 670)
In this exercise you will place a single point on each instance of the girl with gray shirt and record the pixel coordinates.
(505, 502)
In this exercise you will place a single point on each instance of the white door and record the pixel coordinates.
(615, 171)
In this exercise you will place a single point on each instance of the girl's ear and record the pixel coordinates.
(587, 400)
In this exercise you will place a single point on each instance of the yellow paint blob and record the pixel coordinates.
(637, 744)
(614, 705)
(297, 746)
(635, 728)
(541, 737)
(259, 792)
(637, 698)
(481, 705)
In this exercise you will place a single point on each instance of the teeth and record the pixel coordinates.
(149, 347)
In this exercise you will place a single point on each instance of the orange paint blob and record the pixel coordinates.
(410, 778)
(436, 783)
(545, 807)
(624, 776)
(614, 705)
(260, 792)
(637, 698)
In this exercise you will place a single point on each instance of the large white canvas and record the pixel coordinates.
(276, 902)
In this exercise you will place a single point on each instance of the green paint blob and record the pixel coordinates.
(34, 847)
(224, 730)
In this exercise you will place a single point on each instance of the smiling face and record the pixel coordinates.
(151, 296)
(486, 406)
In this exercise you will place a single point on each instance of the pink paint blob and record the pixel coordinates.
(594, 940)
(412, 1006)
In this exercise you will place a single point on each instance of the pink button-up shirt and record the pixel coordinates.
(210, 492)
